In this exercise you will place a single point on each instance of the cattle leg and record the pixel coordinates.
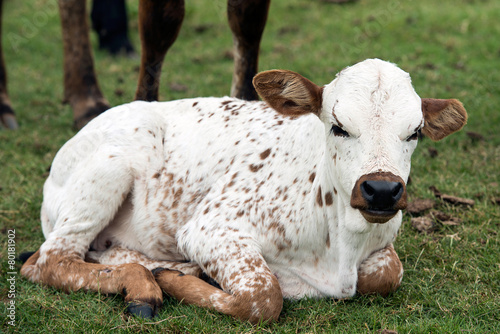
(77, 207)
(381, 273)
(7, 117)
(247, 20)
(109, 20)
(116, 255)
(81, 89)
(68, 272)
(159, 25)
(250, 292)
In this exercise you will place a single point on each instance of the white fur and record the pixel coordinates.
(185, 180)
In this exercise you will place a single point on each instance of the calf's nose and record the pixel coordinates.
(381, 195)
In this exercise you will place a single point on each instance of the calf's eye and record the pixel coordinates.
(338, 131)
(413, 136)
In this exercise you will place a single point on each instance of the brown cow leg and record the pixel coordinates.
(250, 291)
(380, 273)
(67, 271)
(116, 255)
(7, 117)
(159, 25)
(247, 20)
(81, 89)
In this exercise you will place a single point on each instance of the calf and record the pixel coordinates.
(299, 195)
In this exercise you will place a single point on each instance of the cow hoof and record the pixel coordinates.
(156, 271)
(8, 119)
(88, 113)
(23, 257)
(141, 310)
(210, 281)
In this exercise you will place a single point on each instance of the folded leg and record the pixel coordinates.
(250, 292)
(381, 273)
(79, 203)
(117, 255)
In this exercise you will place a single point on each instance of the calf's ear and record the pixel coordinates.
(289, 93)
(442, 117)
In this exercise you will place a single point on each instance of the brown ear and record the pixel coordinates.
(442, 117)
(288, 92)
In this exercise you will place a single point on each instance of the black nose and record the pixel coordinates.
(381, 195)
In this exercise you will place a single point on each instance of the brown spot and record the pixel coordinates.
(335, 191)
(328, 240)
(312, 177)
(177, 197)
(265, 154)
(240, 213)
(157, 175)
(329, 198)
(255, 168)
(336, 119)
(195, 104)
(319, 197)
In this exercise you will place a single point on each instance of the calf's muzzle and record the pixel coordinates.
(379, 196)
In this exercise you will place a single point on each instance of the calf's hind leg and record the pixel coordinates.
(380, 273)
(69, 272)
(77, 207)
(119, 255)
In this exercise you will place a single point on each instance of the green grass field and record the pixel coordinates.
(452, 50)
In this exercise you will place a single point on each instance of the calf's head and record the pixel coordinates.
(372, 117)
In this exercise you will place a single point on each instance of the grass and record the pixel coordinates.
(452, 275)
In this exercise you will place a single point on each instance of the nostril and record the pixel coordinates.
(367, 190)
(397, 192)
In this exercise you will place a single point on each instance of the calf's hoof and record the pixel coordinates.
(141, 310)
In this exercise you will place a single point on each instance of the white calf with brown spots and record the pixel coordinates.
(299, 195)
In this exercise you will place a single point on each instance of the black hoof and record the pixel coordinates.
(90, 114)
(141, 310)
(210, 281)
(23, 257)
(158, 270)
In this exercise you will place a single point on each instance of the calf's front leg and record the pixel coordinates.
(381, 273)
(250, 292)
